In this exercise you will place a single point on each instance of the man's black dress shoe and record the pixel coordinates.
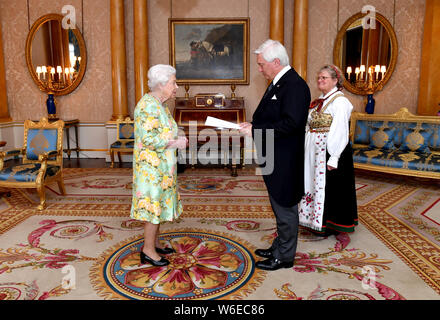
(165, 250)
(273, 264)
(265, 253)
(147, 259)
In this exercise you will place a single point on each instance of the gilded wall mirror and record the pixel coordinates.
(366, 51)
(55, 56)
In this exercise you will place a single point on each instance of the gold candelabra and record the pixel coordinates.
(51, 78)
(373, 80)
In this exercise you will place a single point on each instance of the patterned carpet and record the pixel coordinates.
(84, 246)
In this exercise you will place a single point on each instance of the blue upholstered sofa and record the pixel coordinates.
(399, 143)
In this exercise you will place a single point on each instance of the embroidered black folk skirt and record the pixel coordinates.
(340, 205)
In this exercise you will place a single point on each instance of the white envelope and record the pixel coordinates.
(218, 123)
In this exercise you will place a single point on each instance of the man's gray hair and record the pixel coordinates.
(159, 74)
(271, 50)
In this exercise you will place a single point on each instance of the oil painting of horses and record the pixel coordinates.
(210, 51)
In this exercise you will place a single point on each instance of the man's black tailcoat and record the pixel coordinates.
(285, 109)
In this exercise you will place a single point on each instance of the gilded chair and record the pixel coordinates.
(125, 139)
(42, 159)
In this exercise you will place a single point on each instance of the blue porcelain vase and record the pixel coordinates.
(369, 108)
(51, 107)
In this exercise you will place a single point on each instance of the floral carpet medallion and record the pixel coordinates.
(205, 265)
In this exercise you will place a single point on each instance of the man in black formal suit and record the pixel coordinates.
(283, 109)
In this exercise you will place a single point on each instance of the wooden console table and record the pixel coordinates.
(232, 111)
(67, 125)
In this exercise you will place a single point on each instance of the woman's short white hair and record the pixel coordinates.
(160, 74)
(271, 50)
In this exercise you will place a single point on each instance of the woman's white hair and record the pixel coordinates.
(159, 74)
(271, 50)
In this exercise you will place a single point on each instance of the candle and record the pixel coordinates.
(370, 73)
(377, 70)
(357, 73)
(59, 71)
(44, 70)
(67, 72)
(52, 72)
(383, 69)
(349, 70)
(362, 70)
(38, 72)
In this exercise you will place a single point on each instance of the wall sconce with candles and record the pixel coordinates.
(56, 58)
(370, 52)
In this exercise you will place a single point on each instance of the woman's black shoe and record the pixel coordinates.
(165, 250)
(146, 259)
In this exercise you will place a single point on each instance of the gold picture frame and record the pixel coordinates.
(209, 50)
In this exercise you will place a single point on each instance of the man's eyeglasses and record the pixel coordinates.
(322, 78)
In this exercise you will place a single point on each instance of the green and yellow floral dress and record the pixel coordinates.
(155, 195)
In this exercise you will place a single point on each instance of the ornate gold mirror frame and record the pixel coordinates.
(64, 82)
(338, 54)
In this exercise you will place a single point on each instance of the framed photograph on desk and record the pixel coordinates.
(210, 51)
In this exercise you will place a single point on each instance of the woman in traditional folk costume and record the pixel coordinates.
(329, 203)
(155, 196)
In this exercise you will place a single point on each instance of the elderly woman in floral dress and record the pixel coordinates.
(155, 196)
